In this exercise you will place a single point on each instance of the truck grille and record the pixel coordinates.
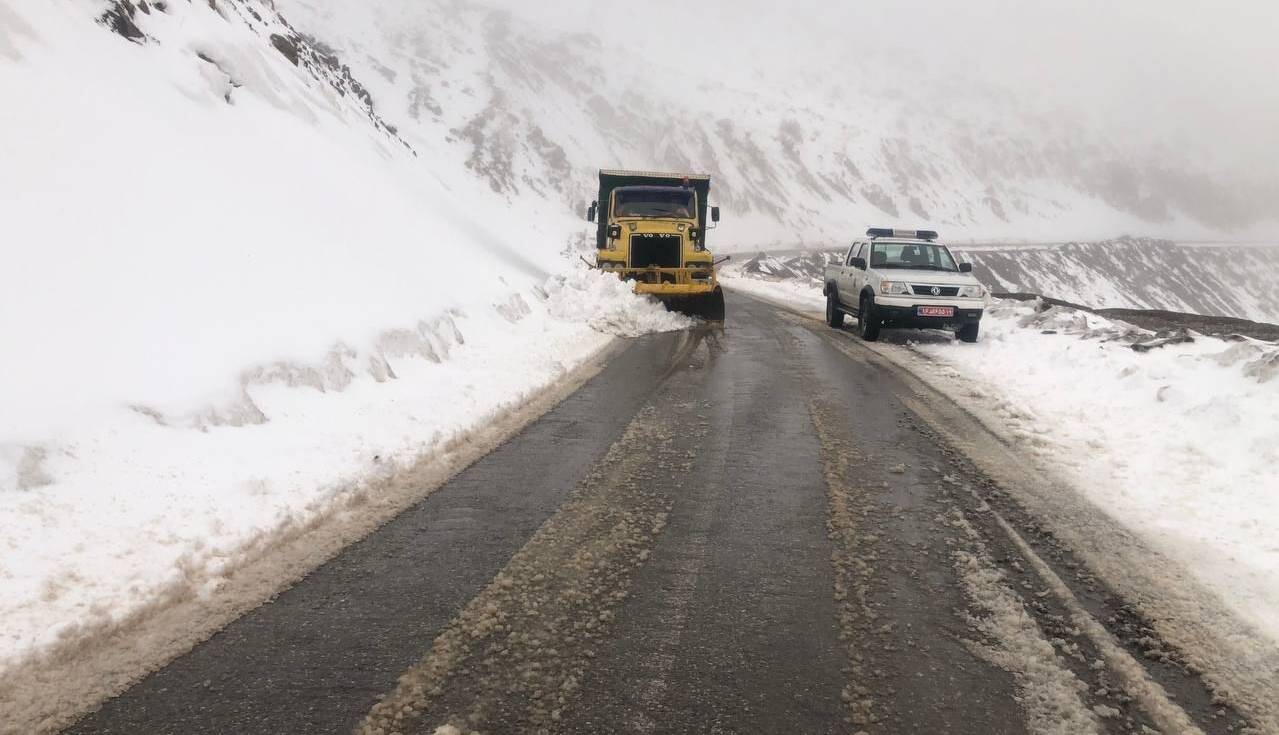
(655, 250)
(941, 290)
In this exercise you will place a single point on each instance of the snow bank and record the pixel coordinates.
(229, 297)
(1177, 440)
(135, 508)
(798, 294)
(1180, 442)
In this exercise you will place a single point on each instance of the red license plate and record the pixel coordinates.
(936, 311)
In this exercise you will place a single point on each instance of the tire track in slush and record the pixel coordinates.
(650, 674)
(852, 571)
(515, 657)
(1048, 692)
(731, 627)
(1173, 659)
(1152, 697)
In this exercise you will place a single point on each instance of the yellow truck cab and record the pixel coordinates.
(651, 229)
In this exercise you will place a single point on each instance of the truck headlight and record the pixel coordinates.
(894, 287)
(972, 292)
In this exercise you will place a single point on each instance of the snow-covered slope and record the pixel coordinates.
(220, 209)
(1136, 273)
(802, 159)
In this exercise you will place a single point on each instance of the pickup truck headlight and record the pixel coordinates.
(972, 292)
(894, 287)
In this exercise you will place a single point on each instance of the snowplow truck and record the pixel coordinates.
(651, 229)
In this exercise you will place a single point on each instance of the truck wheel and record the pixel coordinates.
(968, 332)
(867, 320)
(834, 316)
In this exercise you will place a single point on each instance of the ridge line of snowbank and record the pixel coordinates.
(47, 692)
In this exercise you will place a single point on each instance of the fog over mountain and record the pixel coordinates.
(989, 119)
(1181, 74)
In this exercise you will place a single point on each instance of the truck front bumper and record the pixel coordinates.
(671, 282)
(674, 289)
(904, 312)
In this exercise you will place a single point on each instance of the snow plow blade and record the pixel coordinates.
(692, 291)
(681, 292)
(707, 306)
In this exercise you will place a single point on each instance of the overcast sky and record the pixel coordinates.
(1184, 71)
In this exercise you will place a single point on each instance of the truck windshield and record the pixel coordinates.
(920, 256)
(654, 201)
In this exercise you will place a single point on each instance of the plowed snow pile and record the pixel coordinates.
(1178, 440)
(229, 296)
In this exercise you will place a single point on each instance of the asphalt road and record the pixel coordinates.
(741, 528)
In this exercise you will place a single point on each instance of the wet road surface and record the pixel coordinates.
(742, 528)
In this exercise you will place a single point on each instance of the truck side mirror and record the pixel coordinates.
(714, 214)
(965, 267)
(590, 211)
(859, 263)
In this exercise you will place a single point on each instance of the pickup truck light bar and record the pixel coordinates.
(911, 234)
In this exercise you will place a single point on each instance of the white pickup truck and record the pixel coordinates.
(904, 278)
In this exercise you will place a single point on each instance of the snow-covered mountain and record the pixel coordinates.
(1125, 273)
(534, 111)
(1138, 273)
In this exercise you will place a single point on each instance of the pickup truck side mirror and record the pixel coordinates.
(965, 267)
(859, 263)
(590, 211)
(714, 214)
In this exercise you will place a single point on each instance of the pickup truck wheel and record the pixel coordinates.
(968, 332)
(867, 320)
(834, 315)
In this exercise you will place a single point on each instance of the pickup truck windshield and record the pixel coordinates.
(654, 201)
(920, 256)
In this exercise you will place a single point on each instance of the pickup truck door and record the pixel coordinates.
(853, 278)
(843, 278)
